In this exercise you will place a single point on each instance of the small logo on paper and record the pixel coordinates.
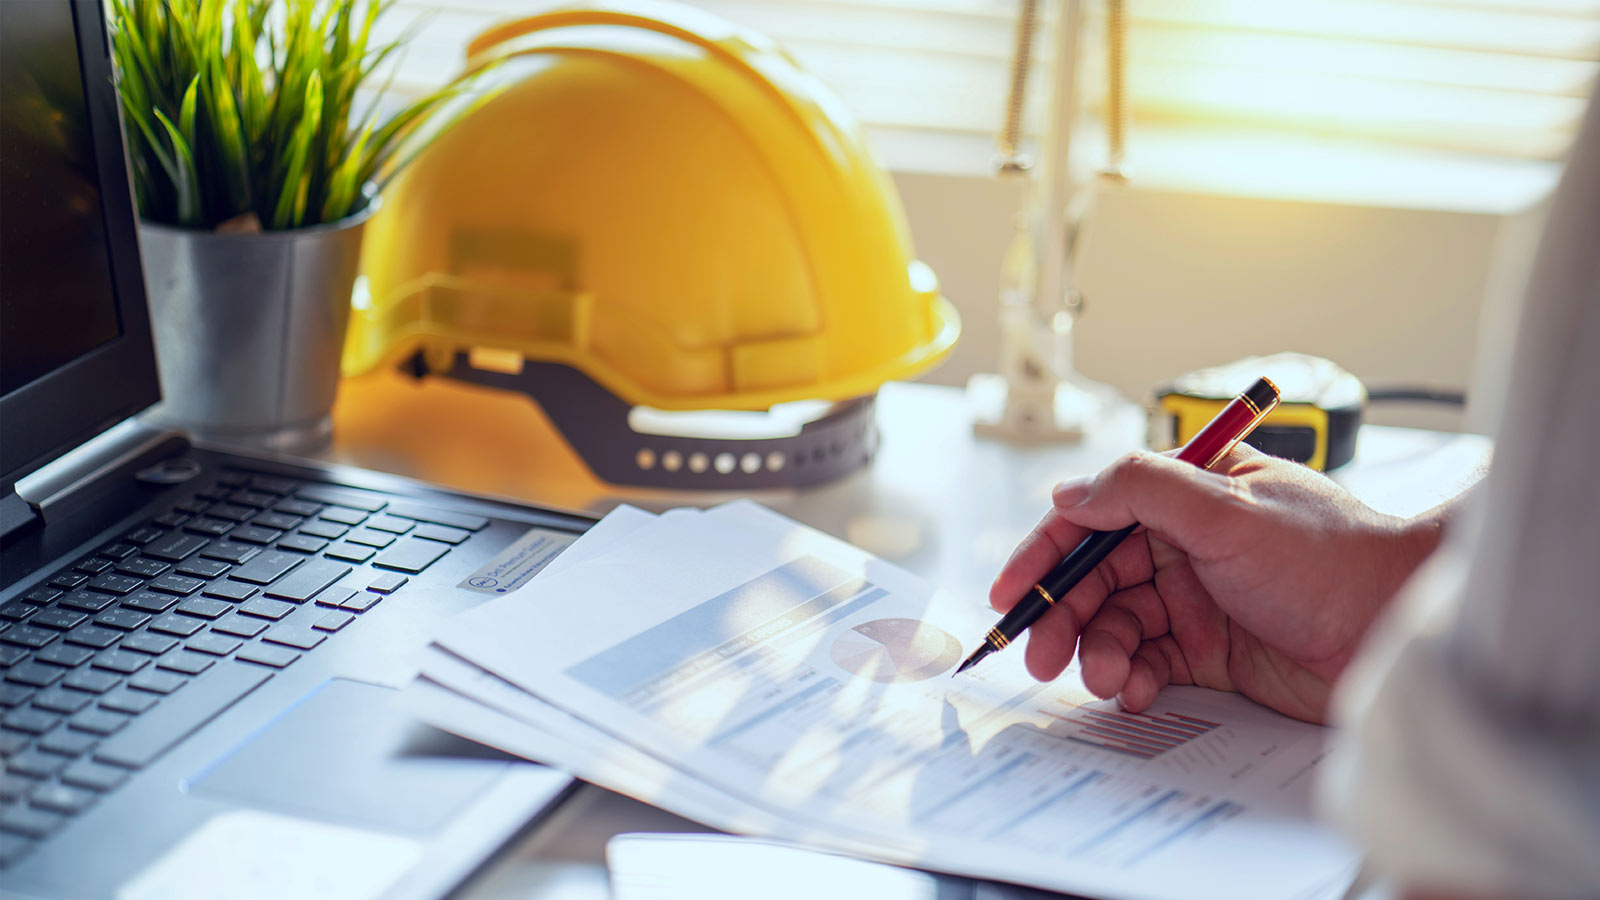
(517, 564)
(483, 583)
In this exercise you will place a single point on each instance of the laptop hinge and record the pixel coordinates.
(55, 490)
(15, 514)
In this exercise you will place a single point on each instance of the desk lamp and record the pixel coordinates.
(1038, 395)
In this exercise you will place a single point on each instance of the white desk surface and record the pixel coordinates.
(936, 500)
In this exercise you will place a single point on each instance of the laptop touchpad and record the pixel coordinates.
(347, 753)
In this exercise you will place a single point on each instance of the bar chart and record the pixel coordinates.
(1134, 734)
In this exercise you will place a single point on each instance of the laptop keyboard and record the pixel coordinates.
(115, 659)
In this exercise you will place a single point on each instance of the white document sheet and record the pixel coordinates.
(782, 682)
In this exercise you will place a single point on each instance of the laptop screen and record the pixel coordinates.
(76, 356)
(56, 298)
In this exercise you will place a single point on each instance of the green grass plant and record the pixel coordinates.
(243, 111)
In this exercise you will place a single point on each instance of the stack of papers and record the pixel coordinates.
(748, 672)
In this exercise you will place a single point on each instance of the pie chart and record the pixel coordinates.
(895, 650)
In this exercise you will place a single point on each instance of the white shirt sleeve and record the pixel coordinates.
(1469, 752)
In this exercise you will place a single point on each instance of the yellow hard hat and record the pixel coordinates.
(662, 201)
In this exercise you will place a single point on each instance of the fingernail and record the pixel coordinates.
(1072, 492)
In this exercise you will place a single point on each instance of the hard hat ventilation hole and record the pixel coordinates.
(698, 462)
(750, 463)
(672, 460)
(646, 458)
(725, 463)
(775, 462)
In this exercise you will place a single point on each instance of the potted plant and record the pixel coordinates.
(254, 162)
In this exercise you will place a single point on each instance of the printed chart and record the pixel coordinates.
(1134, 734)
(895, 650)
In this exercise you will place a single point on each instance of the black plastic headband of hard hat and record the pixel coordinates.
(595, 422)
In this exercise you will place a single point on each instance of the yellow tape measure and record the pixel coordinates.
(1315, 424)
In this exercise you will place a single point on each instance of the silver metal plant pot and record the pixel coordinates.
(249, 329)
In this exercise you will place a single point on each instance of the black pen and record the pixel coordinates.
(1242, 414)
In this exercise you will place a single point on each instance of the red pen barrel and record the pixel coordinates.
(1242, 414)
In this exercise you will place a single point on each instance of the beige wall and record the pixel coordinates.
(1174, 281)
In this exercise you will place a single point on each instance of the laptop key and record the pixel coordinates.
(62, 700)
(181, 626)
(141, 567)
(273, 485)
(386, 582)
(142, 535)
(118, 550)
(442, 533)
(334, 621)
(92, 565)
(103, 722)
(203, 607)
(335, 596)
(292, 636)
(343, 516)
(304, 582)
(209, 526)
(120, 661)
(349, 552)
(13, 848)
(350, 497)
(371, 537)
(182, 585)
(92, 680)
(439, 517)
(180, 715)
(128, 701)
(266, 568)
(171, 519)
(229, 590)
(152, 644)
(193, 505)
(10, 656)
(30, 720)
(68, 581)
(66, 742)
(302, 543)
(150, 602)
(278, 520)
(239, 626)
(64, 655)
(40, 596)
(28, 636)
(228, 551)
(62, 799)
(59, 619)
(214, 644)
(157, 682)
(231, 511)
(186, 662)
(300, 508)
(252, 534)
(203, 568)
(392, 524)
(35, 674)
(233, 478)
(112, 583)
(93, 775)
(15, 787)
(14, 694)
(276, 657)
(124, 619)
(175, 547)
(256, 499)
(93, 636)
(266, 609)
(16, 611)
(34, 823)
(35, 764)
(411, 555)
(88, 601)
(361, 601)
(12, 742)
(328, 530)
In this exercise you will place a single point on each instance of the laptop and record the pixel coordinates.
(199, 649)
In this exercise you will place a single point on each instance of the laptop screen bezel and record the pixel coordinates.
(104, 386)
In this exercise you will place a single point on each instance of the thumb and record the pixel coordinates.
(1177, 500)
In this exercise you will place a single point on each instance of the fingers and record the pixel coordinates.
(1112, 637)
(1180, 501)
(1053, 538)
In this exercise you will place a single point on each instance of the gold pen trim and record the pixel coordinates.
(1250, 403)
(1045, 594)
(997, 639)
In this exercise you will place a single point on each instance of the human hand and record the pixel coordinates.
(1258, 576)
